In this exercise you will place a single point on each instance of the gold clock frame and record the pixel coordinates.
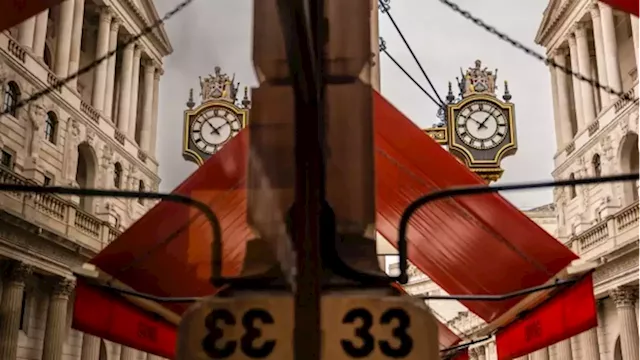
(190, 155)
(506, 149)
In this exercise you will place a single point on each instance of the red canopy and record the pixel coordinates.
(628, 6)
(167, 252)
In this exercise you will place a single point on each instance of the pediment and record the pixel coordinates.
(547, 15)
(555, 11)
(150, 14)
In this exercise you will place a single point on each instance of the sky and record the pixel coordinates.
(212, 33)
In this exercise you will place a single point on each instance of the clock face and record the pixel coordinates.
(481, 125)
(214, 127)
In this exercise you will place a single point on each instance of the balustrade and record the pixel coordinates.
(617, 229)
(56, 214)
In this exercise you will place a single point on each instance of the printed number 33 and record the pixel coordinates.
(366, 343)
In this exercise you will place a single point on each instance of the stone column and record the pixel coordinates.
(154, 117)
(481, 352)
(556, 112)
(625, 299)
(147, 106)
(76, 40)
(153, 357)
(63, 47)
(563, 99)
(26, 31)
(473, 354)
(589, 346)
(100, 71)
(601, 59)
(577, 92)
(111, 69)
(13, 282)
(125, 89)
(40, 35)
(135, 83)
(542, 354)
(90, 347)
(55, 333)
(563, 350)
(610, 46)
(634, 31)
(128, 353)
(584, 62)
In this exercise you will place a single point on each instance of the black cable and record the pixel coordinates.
(411, 77)
(484, 189)
(502, 297)
(549, 62)
(118, 50)
(386, 9)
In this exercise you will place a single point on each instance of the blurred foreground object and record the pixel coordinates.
(629, 6)
(13, 12)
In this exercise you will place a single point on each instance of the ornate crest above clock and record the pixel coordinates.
(216, 120)
(477, 127)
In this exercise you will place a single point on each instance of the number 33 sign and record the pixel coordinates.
(353, 327)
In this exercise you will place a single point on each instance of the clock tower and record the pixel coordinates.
(217, 118)
(477, 127)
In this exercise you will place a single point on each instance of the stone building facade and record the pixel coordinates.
(98, 131)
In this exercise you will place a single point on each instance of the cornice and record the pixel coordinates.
(557, 16)
(141, 22)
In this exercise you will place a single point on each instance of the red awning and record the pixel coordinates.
(628, 6)
(167, 252)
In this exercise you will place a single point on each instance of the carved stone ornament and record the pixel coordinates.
(607, 148)
(107, 156)
(478, 80)
(477, 352)
(624, 126)
(90, 136)
(63, 287)
(3, 72)
(624, 296)
(218, 87)
(558, 193)
(74, 130)
(19, 272)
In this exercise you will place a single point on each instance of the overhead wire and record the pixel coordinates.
(383, 49)
(547, 61)
(118, 50)
(386, 9)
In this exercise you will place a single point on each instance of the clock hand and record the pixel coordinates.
(482, 125)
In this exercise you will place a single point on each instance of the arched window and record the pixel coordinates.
(597, 166)
(11, 98)
(572, 189)
(51, 127)
(141, 189)
(117, 175)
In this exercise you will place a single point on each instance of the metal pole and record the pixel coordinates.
(302, 24)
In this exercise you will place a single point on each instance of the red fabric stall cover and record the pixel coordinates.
(167, 252)
(569, 313)
(111, 317)
(628, 6)
(13, 12)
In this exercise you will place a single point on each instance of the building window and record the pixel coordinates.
(572, 187)
(6, 159)
(51, 127)
(11, 98)
(141, 189)
(117, 175)
(23, 312)
(597, 166)
(47, 181)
